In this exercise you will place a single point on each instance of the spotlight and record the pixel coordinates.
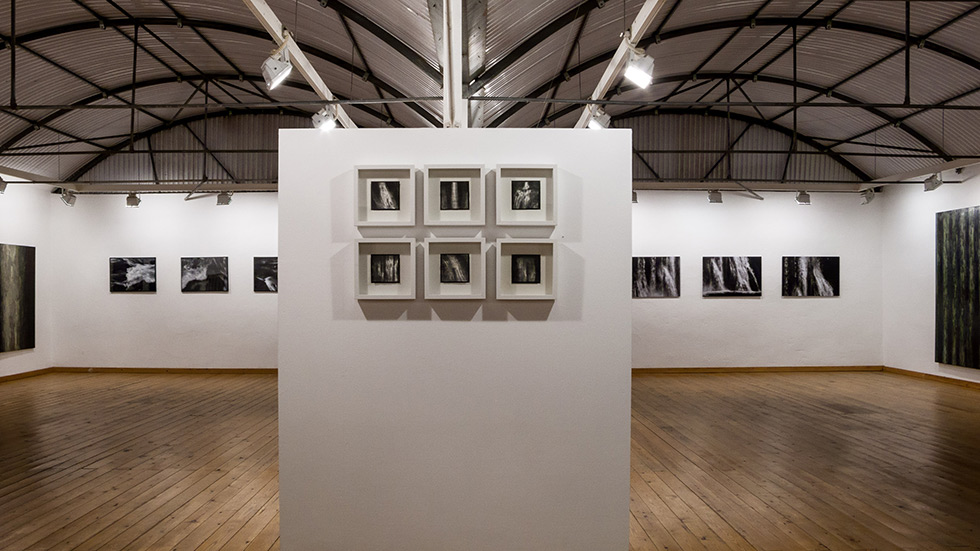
(640, 69)
(600, 119)
(933, 182)
(224, 199)
(3, 186)
(714, 196)
(132, 200)
(802, 198)
(68, 197)
(276, 67)
(325, 119)
(867, 196)
(634, 197)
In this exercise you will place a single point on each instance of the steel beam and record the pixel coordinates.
(455, 109)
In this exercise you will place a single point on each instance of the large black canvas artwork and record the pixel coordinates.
(525, 268)
(204, 274)
(731, 276)
(385, 268)
(454, 268)
(454, 195)
(958, 287)
(385, 195)
(525, 194)
(265, 274)
(17, 272)
(811, 276)
(656, 276)
(133, 275)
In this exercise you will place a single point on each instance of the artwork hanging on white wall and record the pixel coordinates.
(133, 275)
(265, 274)
(656, 276)
(811, 276)
(17, 306)
(208, 274)
(731, 276)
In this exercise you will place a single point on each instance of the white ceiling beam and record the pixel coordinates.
(455, 110)
(921, 172)
(648, 12)
(279, 34)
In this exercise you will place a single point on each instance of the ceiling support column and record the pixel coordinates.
(455, 110)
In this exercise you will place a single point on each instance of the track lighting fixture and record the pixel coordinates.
(325, 119)
(634, 197)
(714, 196)
(933, 182)
(3, 186)
(639, 71)
(224, 199)
(132, 200)
(802, 198)
(600, 119)
(68, 197)
(276, 67)
(867, 196)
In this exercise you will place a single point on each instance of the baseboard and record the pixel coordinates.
(779, 369)
(146, 370)
(932, 377)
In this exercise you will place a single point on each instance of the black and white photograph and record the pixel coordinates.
(385, 268)
(207, 274)
(656, 276)
(133, 275)
(454, 195)
(265, 274)
(957, 292)
(385, 195)
(811, 276)
(525, 268)
(454, 268)
(731, 276)
(17, 306)
(525, 194)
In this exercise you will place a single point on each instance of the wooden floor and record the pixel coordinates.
(789, 461)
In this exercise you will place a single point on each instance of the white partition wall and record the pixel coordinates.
(454, 424)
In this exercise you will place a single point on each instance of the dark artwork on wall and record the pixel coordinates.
(731, 276)
(957, 292)
(454, 268)
(133, 275)
(385, 195)
(265, 270)
(656, 276)
(525, 194)
(811, 276)
(454, 195)
(204, 274)
(16, 297)
(525, 268)
(385, 268)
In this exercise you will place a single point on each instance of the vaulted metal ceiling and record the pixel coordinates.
(161, 94)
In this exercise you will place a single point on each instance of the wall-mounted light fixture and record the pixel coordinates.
(132, 201)
(802, 198)
(224, 199)
(933, 182)
(276, 67)
(714, 196)
(68, 197)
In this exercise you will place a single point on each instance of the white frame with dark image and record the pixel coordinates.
(403, 288)
(436, 285)
(526, 195)
(371, 179)
(474, 213)
(510, 286)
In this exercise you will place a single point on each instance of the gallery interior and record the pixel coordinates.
(566, 274)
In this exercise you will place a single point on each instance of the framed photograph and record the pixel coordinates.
(17, 302)
(525, 268)
(207, 274)
(385, 268)
(385, 195)
(454, 268)
(525, 194)
(454, 195)
(265, 274)
(731, 276)
(656, 276)
(811, 276)
(133, 275)
(957, 338)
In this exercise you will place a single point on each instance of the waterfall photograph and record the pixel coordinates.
(731, 276)
(525, 195)
(811, 276)
(17, 269)
(207, 274)
(525, 268)
(385, 195)
(957, 296)
(454, 268)
(385, 268)
(454, 195)
(656, 276)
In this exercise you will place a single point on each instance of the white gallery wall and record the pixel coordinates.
(444, 425)
(166, 329)
(24, 220)
(909, 272)
(771, 330)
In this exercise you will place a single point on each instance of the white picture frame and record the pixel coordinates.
(455, 268)
(385, 269)
(454, 195)
(385, 196)
(526, 195)
(537, 279)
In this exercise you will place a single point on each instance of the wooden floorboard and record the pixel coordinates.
(727, 461)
